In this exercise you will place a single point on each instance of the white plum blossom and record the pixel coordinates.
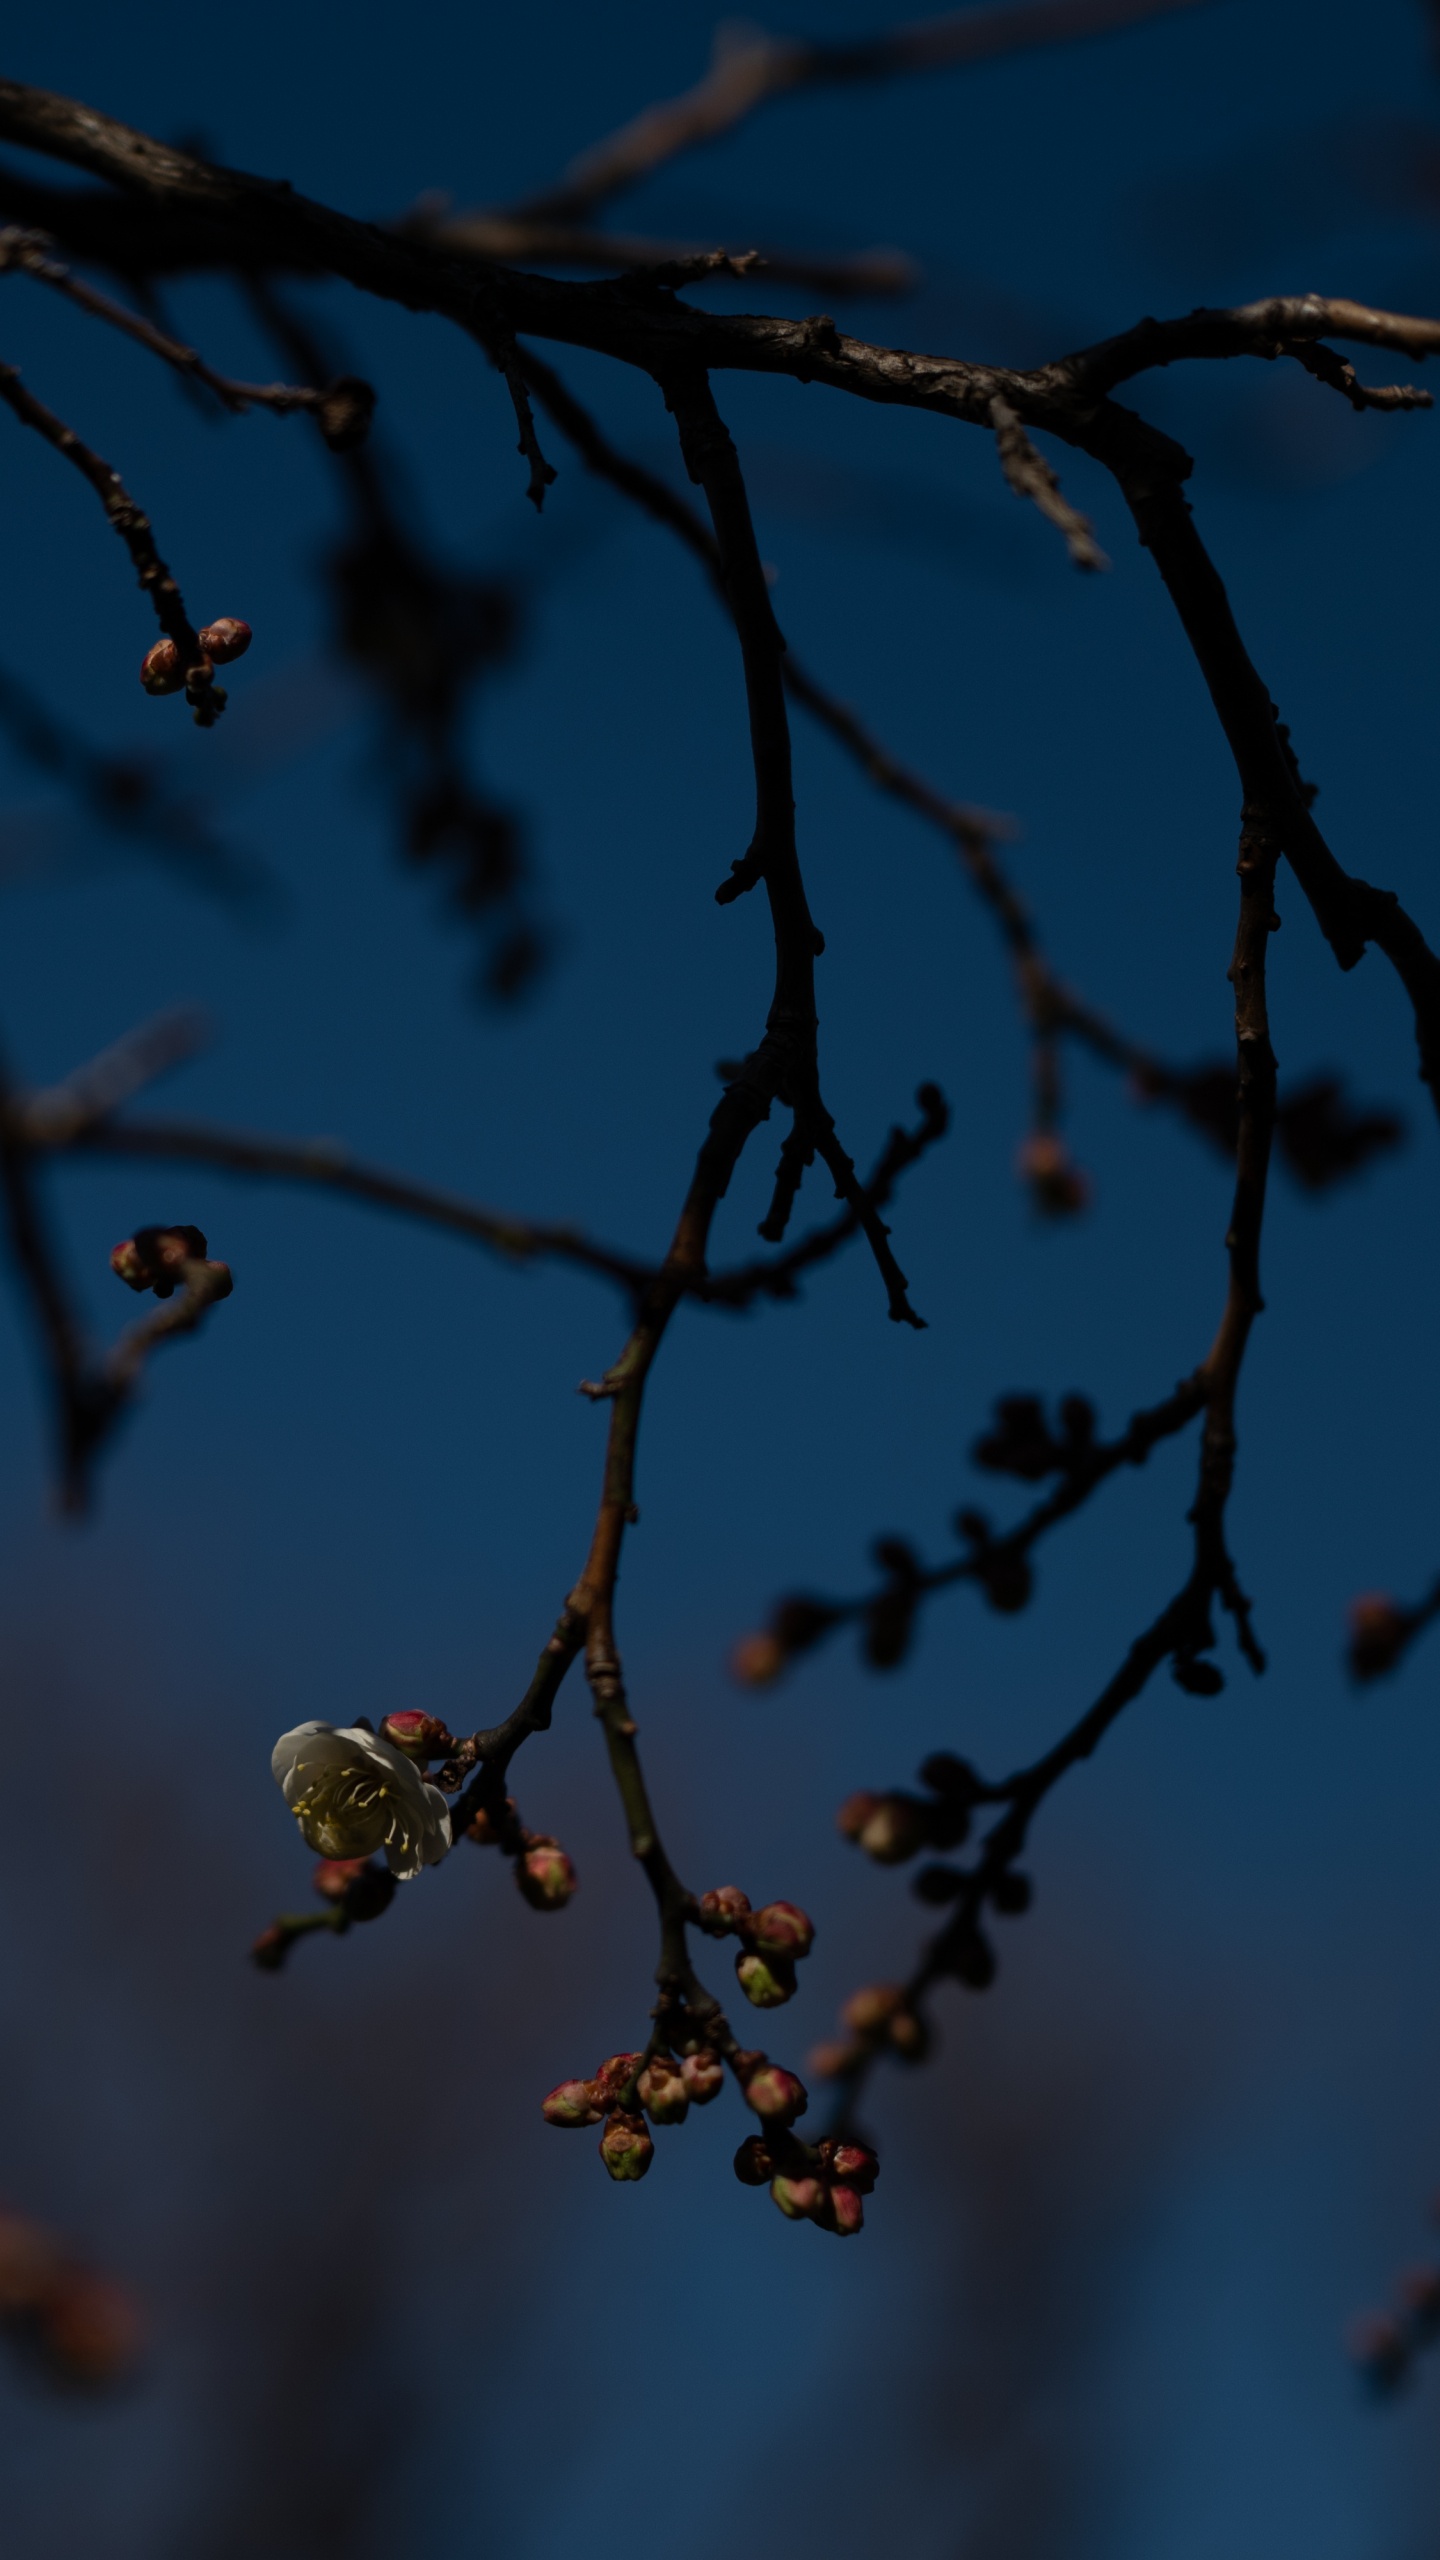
(352, 1794)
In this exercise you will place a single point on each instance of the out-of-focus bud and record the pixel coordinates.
(1420, 2293)
(614, 2077)
(767, 1981)
(855, 1812)
(720, 1910)
(153, 1258)
(832, 2060)
(868, 2011)
(419, 1736)
(1377, 2346)
(1199, 1678)
(757, 1660)
(545, 1875)
(855, 2165)
(909, 2036)
(775, 2094)
(1379, 1632)
(574, 2103)
(661, 2090)
(226, 639)
(898, 1827)
(946, 1775)
(1055, 1183)
(704, 2076)
(346, 408)
(845, 2213)
(369, 1891)
(160, 670)
(271, 1948)
(89, 2331)
(799, 2199)
(333, 1877)
(973, 1961)
(782, 1929)
(29, 2262)
(484, 1827)
(626, 2147)
(753, 2164)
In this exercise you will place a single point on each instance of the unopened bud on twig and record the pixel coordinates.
(799, 2199)
(484, 1827)
(419, 1736)
(573, 2103)
(1379, 1632)
(626, 2147)
(782, 1929)
(869, 2010)
(661, 2090)
(545, 1875)
(855, 2165)
(720, 1910)
(753, 2164)
(160, 668)
(704, 2076)
(1056, 1184)
(776, 2094)
(153, 1258)
(767, 1981)
(226, 639)
(844, 2212)
(614, 2077)
(271, 1948)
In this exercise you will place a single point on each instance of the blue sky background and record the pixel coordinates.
(1100, 2303)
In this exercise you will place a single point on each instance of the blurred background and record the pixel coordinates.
(1100, 2304)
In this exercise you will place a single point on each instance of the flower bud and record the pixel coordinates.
(573, 2103)
(757, 1660)
(1379, 1633)
(799, 2199)
(898, 1827)
(160, 669)
(704, 2076)
(346, 408)
(271, 1948)
(29, 2262)
(776, 2094)
(1057, 1186)
(545, 1875)
(869, 2011)
(909, 2035)
(753, 2164)
(855, 2165)
(89, 2330)
(626, 2147)
(767, 1981)
(855, 1812)
(782, 1929)
(226, 639)
(333, 1877)
(720, 1910)
(614, 2077)
(845, 2213)
(661, 2090)
(419, 1736)
(830, 2061)
(484, 1827)
(153, 1258)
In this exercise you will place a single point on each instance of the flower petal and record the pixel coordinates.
(287, 1750)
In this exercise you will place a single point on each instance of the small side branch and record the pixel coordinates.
(1030, 476)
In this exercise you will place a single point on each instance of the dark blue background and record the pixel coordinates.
(1099, 2305)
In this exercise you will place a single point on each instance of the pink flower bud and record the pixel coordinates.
(333, 1877)
(89, 2330)
(626, 2147)
(154, 1257)
(270, 1949)
(855, 2165)
(704, 2076)
(226, 639)
(614, 2077)
(832, 2060)
(845, 2213)
(419, 1736)
(720, 1910)
(869, 2011)
(545, 1875)
(782, 1929)
(776, 2094)
(574, 2103)
(160, 670)
(661, 2090)
(767, 1981)
(800, 2199)
(753, 2164)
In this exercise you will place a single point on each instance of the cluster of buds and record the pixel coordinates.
(822, 2182)
(163, 671)
(894, 1827)
(772, 1942)
(879, 2018)
(1384, 2345)
(796, 1624)
(1050, 1174)
(1381, 1632)
(350, 1888)
(1022, 1442)
(628, 2088)
(544, 1873)
(76, 2325)
(165, 1259)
